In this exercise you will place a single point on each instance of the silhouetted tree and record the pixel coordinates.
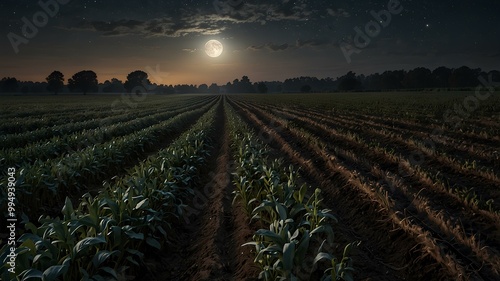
(372, 82)
(419, 77)
(203, 88)
(392, 79)
(9, 85)
(441, 77)
(305, 89)
(164, 89)
(464, 77)
(234, 87)
(214, 88)
(113, 86)
(246, 86)
(495, 75)
(33, 87)
(56, 82)
(84, 81)
(137, 82)
(349, 82)
(185, 89)
(261, 87)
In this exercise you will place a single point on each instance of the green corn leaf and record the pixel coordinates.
(143, 204)
(31, 227)
(31, 273)
(135, 235)
(295, 235)
(82, 246)
(288, 256)
(322, 256)
(153, 243)
(116, 232)
(135, 252)
(270, 235)
(303, 246)
(97, 278)
(67, 210)
(281, 211)
(131, 259)
(326, 213)
(101, 257)
(250, 244)
(110, 271)
(28, 243)
(273, 248)
(55, 271)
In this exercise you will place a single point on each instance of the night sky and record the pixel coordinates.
(266, 40)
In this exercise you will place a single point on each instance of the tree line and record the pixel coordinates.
(137, 82)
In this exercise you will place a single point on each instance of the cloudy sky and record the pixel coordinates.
(266, 40)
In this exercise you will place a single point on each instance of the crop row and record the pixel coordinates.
(26, 114)
(17, 123)
(61, 145)
(106, 237)
(297, 226)
(48, 182)
(428, 224)
(392, 149)
(45, 132)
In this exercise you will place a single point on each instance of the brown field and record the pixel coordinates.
(412, 178)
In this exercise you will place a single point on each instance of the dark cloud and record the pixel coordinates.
(298, 44)
(201, 21)
(151, 28)
(312, 42)
(110, 26)
(270, 46)
(338, 13)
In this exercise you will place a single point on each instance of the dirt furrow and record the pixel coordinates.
(429, 214)
(209, 240)
(380, 157)
(463, 149)
(387, 252)
(454, 174)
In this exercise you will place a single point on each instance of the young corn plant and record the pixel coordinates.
(296, 221)
(108, 234)
(342, 270)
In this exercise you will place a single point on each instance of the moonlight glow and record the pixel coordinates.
(213, 48)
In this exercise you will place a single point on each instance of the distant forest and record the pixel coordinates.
(442, 78)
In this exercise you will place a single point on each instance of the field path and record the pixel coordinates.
(209, 244)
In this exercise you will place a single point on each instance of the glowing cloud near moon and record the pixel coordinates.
(213, 48)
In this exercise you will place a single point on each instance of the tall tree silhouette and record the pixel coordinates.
(349, 82)
(56, 82)
(9, 85)
(305, 89)
(441, 76)
(137, 82)
(419, 77)
(203, 88)
(113, 86)
(246, 86)
(84, 81)
(392, 79)
(214, 88)
(262, 87)
(464, 77)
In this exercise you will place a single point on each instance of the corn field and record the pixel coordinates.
(359, 186)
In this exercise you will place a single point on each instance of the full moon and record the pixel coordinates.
(213, 48)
